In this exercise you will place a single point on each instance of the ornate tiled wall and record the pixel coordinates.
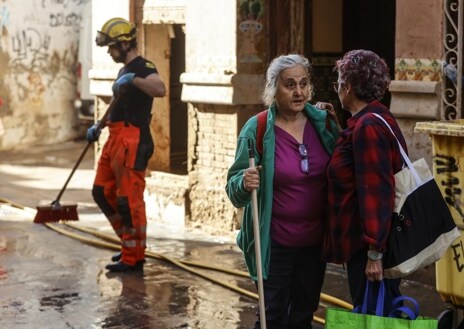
(417, 69)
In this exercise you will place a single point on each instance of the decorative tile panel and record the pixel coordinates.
(417, 69)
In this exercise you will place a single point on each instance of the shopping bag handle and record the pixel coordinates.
(403, 153)
(412, 314)
(380, 300)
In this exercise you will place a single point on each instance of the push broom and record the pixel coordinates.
(254, 202)
(56, 211)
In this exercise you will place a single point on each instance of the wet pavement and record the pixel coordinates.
(50, 280)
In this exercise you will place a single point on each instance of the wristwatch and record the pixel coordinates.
(374, 255)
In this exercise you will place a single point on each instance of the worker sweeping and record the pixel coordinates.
(120, 179)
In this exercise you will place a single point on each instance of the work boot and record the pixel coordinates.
(116, 257)
(122, 267)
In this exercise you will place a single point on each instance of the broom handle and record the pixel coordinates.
(254, 202)
(101, 125)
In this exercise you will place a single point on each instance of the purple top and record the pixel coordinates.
(300, 199)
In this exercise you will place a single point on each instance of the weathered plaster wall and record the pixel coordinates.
(419, 30)
(158, 50)
(38, 52)
(210, 39)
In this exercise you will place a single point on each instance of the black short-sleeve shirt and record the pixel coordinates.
(134, 106)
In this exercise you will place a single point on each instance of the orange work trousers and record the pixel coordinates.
(118, 188)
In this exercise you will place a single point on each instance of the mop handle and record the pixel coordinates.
(254, 201)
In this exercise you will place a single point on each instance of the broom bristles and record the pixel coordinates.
(53, 213)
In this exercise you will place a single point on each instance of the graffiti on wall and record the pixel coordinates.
(38, 50)
(60, 15)
(31, 44)
(39, 53)
(458, 255)
(69, 20)
(447, 165)
(251, 27)
(63, 3)
(32, 56)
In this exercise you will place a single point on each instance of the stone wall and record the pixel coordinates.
(38, 52)
(214, 130)
(212, 152)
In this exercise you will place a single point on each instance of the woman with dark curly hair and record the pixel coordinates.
(360, 173)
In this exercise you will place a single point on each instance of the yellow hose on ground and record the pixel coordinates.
(180, 263)
(114, 239)
(327, 298)
(152, 255)
(159, 256)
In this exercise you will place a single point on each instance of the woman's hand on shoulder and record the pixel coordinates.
(330, 111)
(325, 106)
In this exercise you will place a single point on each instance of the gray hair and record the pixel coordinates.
(277, 65)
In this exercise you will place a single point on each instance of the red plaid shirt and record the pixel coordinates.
(361, 184)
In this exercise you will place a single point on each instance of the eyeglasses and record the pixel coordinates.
(336, 85)
(304, 158)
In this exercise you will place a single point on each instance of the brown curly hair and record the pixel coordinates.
(367, 73)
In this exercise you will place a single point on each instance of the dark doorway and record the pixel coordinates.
(331, 28)
(370, 25)
(363, 24)
(178, 114)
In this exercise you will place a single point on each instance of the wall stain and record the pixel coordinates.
(36, 89)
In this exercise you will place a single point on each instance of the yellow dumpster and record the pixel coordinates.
(448, 169)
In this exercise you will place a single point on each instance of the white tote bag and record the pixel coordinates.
(422, 225)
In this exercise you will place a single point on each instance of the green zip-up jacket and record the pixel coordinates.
(242, 198)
